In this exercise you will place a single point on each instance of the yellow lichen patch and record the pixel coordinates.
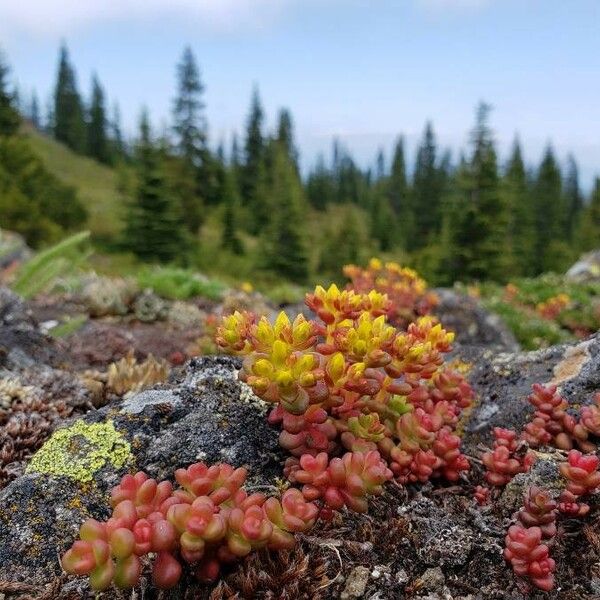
(81, 450)
(461, 366)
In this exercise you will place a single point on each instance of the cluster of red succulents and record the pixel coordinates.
(348, 380)
(528, 542)
(551, 308)
(583, 477)
(407, 292)
(507, 458)
(208, 521)
(553, 425)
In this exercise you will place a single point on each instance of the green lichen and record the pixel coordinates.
(81, 450)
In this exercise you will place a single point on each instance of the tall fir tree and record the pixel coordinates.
(253, 175)
(190, 125)
(573, 197)
(285, 135)
(521, 210)
(9, 117)
(400, 198)
(551, 248)
(230, 238)
(481, 242)
(97, 134)
(343, 245)
(320, 185)
(34, 111)
(426, 190)
(68, 114)
(119, 150)
(284, 246)
(154, 229)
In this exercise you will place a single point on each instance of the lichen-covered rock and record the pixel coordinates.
(587, 268)
(149, 307)
(503, 382)
(104, 296)
(206, 415)
(184, 315)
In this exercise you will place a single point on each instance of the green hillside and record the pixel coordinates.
(96, 184)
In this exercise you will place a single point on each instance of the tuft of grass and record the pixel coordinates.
(180, 284)
(69, 326)
(40, 273)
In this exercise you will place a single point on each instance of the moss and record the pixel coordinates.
(81, 450)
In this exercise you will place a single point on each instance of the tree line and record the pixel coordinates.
(472, 218)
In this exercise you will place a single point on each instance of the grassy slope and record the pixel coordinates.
(96, 184)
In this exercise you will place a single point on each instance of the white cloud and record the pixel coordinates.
(63, 16)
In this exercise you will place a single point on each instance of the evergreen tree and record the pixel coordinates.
(230, 239)
(521, 210)
(573, 198)
(9, 117)
(480, 233)
(426, 190)
(320, 185)
(154, 230)
(254, 166)
(285, 135)
(284, 247)
(588, 235)
(97, 137)
(383, 220)
(400, 198)
(190, 126)
(68, 118)
(551, 249)
(380, 165)
(119, 150)
(34, 111)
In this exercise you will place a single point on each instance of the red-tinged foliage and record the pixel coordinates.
(529, 557)
(581, 473)
(505, 461)
(539, 510)
(208, 521)
(481, 495)
(350, 381)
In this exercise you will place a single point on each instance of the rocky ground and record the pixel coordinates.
(430, 541)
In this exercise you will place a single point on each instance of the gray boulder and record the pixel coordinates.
(587, 268)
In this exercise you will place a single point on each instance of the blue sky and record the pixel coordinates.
(362, 70)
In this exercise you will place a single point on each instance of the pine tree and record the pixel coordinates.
(34, 111)
(254, 155)
(573, 198)
(117, 142)
(588, 233)
(97, 138)
(383, 220)
(320, 185)
(343, 245)
(285, 135)
(230, 239)
(551, 249)
(190, 126)
(68, 118)
(400, 198)
(154, 229)
(480, 232)
(521, 210)
(284, 247)
(426, 189)
(9, 117)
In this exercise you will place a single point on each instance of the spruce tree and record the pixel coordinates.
(521, 210)
(284, 246)
(117, 142)
(254, 152)
(154, 229)
(230, 239)
(9, 117)
(343, 245)
(190, 126)
(400, 198)
(68, 117)
(383, 220)
(481, 243)
(426, 189)
(573, 198)
(97, 137)
(320, 185)
(551, 248)
(285, 135)
(34, 111)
